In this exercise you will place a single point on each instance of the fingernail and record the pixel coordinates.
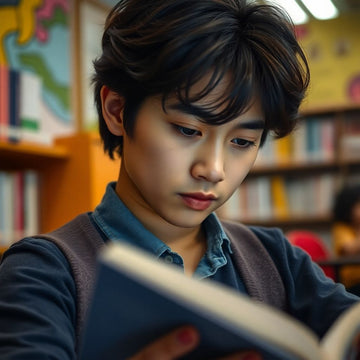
(251, 356)
(185, 336)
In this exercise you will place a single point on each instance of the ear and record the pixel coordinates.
(112, 109)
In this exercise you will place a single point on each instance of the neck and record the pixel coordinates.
(188, 242)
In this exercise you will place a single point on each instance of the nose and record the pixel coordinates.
(209, 164)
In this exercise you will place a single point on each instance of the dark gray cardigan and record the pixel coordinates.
(81, 242)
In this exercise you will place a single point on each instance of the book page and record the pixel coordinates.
(162, 298)
(342, 342)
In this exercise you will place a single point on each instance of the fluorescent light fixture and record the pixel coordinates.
(321, 9)
(296, 13)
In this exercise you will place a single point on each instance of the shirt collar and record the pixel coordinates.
(119, 224)
(215, 233)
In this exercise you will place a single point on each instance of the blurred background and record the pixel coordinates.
(51, 162)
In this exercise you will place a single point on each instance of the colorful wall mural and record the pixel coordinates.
(333, 51)
(35, 37)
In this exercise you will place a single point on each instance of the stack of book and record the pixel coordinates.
(20, 107)
(312, 141)
(277, 197)
(19, 212)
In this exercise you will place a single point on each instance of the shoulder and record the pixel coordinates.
(273, 239)
(36, 253)
(287, 258)
(34, 246)
(37, 294)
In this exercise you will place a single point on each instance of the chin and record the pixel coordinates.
(189, 221)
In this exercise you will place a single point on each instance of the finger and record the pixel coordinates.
(171, 346)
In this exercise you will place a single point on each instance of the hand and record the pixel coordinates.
(180, 342)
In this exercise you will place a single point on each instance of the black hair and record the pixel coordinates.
(164, 47)
(344, 202)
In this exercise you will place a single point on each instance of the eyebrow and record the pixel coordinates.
(255, 124)
(201, 113)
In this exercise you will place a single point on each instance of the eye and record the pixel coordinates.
(243, 143)
(187, 131)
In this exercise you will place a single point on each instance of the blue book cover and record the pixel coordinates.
(14, 105)
(137, 299)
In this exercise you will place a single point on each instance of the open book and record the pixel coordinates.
(137, 298)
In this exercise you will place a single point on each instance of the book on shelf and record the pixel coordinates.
(299, 143)
(14, 130)
(19, 205)
(137, 299)
(327, 139)
(18, 200)
(31, 203)
(350, 139)
(4, 103)
(279, 197)
(313, 140)
(20, 107)
(264, 198)
(283, 149)
(7, 208)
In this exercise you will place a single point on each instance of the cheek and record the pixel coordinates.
(239, 169)
(157, 163)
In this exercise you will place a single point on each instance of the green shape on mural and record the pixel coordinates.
(38, 65)
(59, 18)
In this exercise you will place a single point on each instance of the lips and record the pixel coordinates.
(198, 201)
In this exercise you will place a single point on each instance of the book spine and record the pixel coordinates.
(279, 197)
(310, 139)
(327, 140)
(264, 196)
(299, 143)
(2, 208)
(30, 109)
(19, 205)
(4, 103)
(283, 150)
(14, 105)
(350, 140)
(18, 196)
(31, 203)
(7, 208)
(266, 155)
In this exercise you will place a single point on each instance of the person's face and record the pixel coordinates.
(180, 169)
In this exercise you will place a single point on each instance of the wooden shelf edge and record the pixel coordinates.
(36, 150)
(289, 165)
(308, 110)
(291, 221)
(3, 249)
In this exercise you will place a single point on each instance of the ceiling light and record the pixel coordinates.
(296, 13)
(321, 9)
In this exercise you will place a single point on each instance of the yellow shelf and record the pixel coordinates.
(18, 155)
(73, 174)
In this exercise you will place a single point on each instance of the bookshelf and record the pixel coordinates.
(293, 182)
(22, 155)
(78, 184)
(72, 175)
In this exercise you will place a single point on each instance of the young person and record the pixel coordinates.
(346, 233)
(186, 93)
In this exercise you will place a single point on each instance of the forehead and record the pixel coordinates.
(214, 99)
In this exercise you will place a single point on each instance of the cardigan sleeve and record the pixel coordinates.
(313, 298)
(37, 303)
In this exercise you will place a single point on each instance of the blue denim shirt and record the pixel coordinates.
(117, 223)
(38, 293)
